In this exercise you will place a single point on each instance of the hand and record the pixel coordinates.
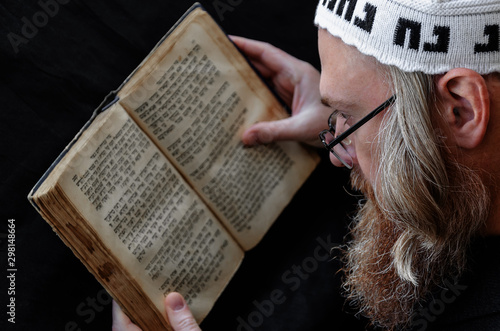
(178, 313)
(297, 83)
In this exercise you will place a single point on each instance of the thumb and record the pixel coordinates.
(179, 315)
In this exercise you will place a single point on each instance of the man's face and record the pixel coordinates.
(410, 232)
(352, 84)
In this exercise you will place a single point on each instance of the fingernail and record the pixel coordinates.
(176, 303)
(251, 139)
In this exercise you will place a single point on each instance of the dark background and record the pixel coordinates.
(58, 60)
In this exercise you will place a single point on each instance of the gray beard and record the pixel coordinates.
(373, 281)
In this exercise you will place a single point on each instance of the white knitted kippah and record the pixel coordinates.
(432, 36)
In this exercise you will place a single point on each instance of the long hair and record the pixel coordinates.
(420, 212)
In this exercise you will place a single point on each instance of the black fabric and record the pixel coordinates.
(471, 302)
(58, 61)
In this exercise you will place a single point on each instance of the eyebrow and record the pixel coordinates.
(327, 101)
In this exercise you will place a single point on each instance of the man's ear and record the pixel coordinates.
(466, 105)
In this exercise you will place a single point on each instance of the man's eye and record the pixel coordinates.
(345, 116)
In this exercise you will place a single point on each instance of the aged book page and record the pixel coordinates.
(146, 216)
(194, 97)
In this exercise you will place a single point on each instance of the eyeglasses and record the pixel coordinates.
(336, 144)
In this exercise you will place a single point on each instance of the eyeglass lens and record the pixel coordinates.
(338, 150)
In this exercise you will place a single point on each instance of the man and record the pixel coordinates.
(426, 159)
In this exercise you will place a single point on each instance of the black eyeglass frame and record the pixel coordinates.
(329, 146)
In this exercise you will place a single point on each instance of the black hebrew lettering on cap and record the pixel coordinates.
(413, 30)
(365, 24)
(350, 9)
(492, 32)
(405, 27)
(443, 40)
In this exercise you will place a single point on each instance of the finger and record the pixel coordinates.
(179, 315)
(253, 51)
(121, 322)
(270, 57)
(252, 48)
(264, 71)
(281, 130)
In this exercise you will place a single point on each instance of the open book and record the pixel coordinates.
(157, 193)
